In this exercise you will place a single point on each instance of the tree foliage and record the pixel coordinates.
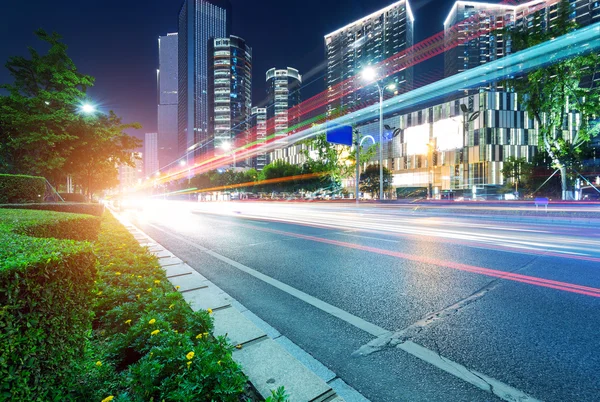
(41, 131)
(557, 91)
(369, 180)
(518, 170)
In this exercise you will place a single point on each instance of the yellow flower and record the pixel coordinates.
(219, 362)
(177, 287)
(152, 321)
(202, 335)
(149, 290)
(238, 346)
(188, 364)
(138, 296)
(157, 281)
(209, 310)
(108, 398)
(156, 331)
(171, 306)
(99, 293)
(99, 363)
(139, 276)
(117, 273)
(128, 322)
(190, 355)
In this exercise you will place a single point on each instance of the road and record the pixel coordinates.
(403, 305)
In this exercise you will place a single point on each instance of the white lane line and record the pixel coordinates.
(501, 390)
(321, 305)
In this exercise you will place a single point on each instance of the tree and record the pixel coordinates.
(100, 144)
(517, 169)
(369, 180)
(39, 108)
(555, 92)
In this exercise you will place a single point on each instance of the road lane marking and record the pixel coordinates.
(481, 381)
(321, 305)
(532, 280)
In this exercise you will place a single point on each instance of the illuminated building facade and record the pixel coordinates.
(167, 100)
(365, 42)
(150, 154)
(433, 148)
(130, 176)
(482, 21)
(283, 94)
(199, 22)
(230, 90)
(258, 122)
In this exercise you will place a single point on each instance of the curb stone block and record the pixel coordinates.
(205, 298)
(188, 282)
(165, 262)
(279, 369)
(238, 329)
(178, 269)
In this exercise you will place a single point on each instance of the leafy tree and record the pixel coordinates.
(369, 180)
(100, 144)
(40, 106)
(554, 92)
(517, 169)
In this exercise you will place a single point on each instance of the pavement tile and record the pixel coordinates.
(177, 269)
(165, 262)
(188, 282)
(204, 298)
(260, 323)
(313, 364)
(239, 306)
(345, 391)
(231, 323)
(279, 368)
(163, 254)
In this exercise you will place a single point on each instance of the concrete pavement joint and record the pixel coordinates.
(192, 289)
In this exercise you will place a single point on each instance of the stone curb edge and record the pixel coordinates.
(268, 358)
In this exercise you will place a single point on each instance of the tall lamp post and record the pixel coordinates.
(370, 75)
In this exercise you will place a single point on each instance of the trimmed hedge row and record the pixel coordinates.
(70, 207)
(147, 344)
(21, 188)
(45, 289)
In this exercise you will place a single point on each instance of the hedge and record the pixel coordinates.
(21, 188)
(45, 289)
(71, 207)
(147, 344)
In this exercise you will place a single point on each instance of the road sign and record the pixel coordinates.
(340, 135)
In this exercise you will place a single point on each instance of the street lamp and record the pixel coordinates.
(88, 108)
(226, 146)
(370, 75)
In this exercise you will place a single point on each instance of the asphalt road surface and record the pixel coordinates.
(404, 306)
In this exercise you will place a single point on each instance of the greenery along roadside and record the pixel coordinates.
(45, 289)
(147, 344)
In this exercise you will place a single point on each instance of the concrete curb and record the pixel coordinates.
(269, 359)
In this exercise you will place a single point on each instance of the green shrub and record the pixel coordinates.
(144, 332)
(71, 207)
(21, 188)
(51, 224)
(73, 197)
(45, 289)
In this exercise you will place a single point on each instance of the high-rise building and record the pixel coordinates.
(258, 123)
(199, 22)
(151, 154)
(283, 94)
(368, 41)
(472, 30)
(130, 176)
(167, 100)
(230, 91)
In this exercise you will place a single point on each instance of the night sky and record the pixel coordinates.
(116, 41)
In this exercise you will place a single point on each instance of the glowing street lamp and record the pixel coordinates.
(88, 108)
(370, 75)
(227, 146)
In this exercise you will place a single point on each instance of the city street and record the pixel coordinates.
(406, 305)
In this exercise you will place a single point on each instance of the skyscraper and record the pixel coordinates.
(199, 22)
(472, 33)
(150, 154)
(368, 41)
(167, 99)
(258, 122)
(230, 90)
(283, 94)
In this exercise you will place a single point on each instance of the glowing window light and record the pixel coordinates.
(416, 139)
(448, 133)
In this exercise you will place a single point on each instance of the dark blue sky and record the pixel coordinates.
(116, 40)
